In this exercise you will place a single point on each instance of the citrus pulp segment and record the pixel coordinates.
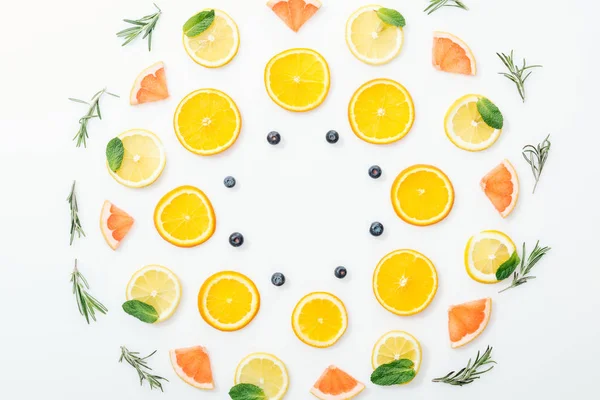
(485, 253)
(319, 319)
(157, 286)
(150, 85)
(466, 321)
(466, 128)
(265, 371)
(335, 384)
(450, 54)
(396, 345)
(501, 186)
(294, 12)
(114, 224)
(192, 365)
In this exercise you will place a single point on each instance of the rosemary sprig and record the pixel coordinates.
(437, 4)
(536, 157)
(75, 222)
(93, 112)
(522, 275)
(469, 373)
(86, 303)
(144, 25)
(142, 368)
(516, 74)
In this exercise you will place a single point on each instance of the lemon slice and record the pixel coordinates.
(319, 319)
(297, 79)
(396, 345)
(157, 286)
(465, 127)
(265, 371)
(484, 254)
(143, 161)
(217, 45)
(370, 39)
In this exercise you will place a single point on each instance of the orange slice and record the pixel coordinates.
(335, 384)
(501, 186)
(114, 224)
(450, 54)
(294, 12)
(192, 365)
(319, 319)
(150, 85)
(467, 321)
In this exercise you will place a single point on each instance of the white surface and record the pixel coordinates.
(304, 206)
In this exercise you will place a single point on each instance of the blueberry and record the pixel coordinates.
(229, 181)
(236, 239)
(376, 229)
(278, 279)
(375, 171)
(332, 137)
(274, 138)
(340, 272)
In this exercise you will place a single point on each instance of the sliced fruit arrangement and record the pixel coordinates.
(150, 85)
(207, 122)
(228, 301)
(265, 371)
(217, 45)
(466, 321)
(157, 286)
(485, 253)
(422, 195)
(143, 159)
(185, 217)
(396, 345)
(370, 40)
(501, 186)
(450, 54)
(294, 12)
(381, 111)
(192, 365)
(114, 224)
(335, 384)
(319, 319)
(297, 79)
(465, 126)
(405, 282)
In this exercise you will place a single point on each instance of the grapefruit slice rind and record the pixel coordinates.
(466, 321)
(192, 365)
(114, 224)
(294, 13)
(335, 384)
(150, 85)
(451, 54)
(501, 186)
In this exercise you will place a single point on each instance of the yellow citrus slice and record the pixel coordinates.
(228, 301)
(297, 79)
(185, 217)
(465, 127)
(265, 371)
(371, 40)
(422, 195)
(157, 286)
(143, 161)
(207, 122)
(405, 282)
(396, 345)
(484, 254)
(217, 45)
(381, 111)
(319, 319)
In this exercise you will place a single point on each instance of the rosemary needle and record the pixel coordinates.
(522, 275)
(471, 372)
(142, 368)
(516, 74)
(86, 303)
(536, 157)
(144, 25)
(93, 112)
(75, 222)
(437, 4)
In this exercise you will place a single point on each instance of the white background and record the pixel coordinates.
(304, 206)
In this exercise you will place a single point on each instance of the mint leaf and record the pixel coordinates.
(490, 114)
(198, 23)
(391, 17)
(508, 267)
(395, 373)
(142, 311)
(247, 391)
(114, 154)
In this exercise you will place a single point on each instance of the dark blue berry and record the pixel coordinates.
(376, 229)
(340, 272)
(278, 279)
(229, 181)
(332, 137)
(375, 171)
(236, 239)
(273, 138)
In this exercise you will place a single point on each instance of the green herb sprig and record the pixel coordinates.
(93, 112)
(142, 368)
(140, 310)
(516, 74)
(536, 157)
(86, 303)
(247, 391)
(522, 275)
(144, 25)
(471, 372)
(437, 4)
(490, 114)
(396, 372)
(115, 151)
(390, 17)
(75, 222)
(199, 23)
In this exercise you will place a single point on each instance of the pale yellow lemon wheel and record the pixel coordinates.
(381, 111)
(228, 301)
(484, 254)
(143, 161)
(405, 282)
(297, 79)
(396, 345)
(319, 319)
(216, 46)
(465, 127)
(157, 286)
(265, 371)
(185, 217)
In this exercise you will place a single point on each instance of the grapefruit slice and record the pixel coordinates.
(335, 384)
(114, 224)
(150, 85)
(294, 12)
(501, 186)
(466, 321)
(192, 365)
(450, 54)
